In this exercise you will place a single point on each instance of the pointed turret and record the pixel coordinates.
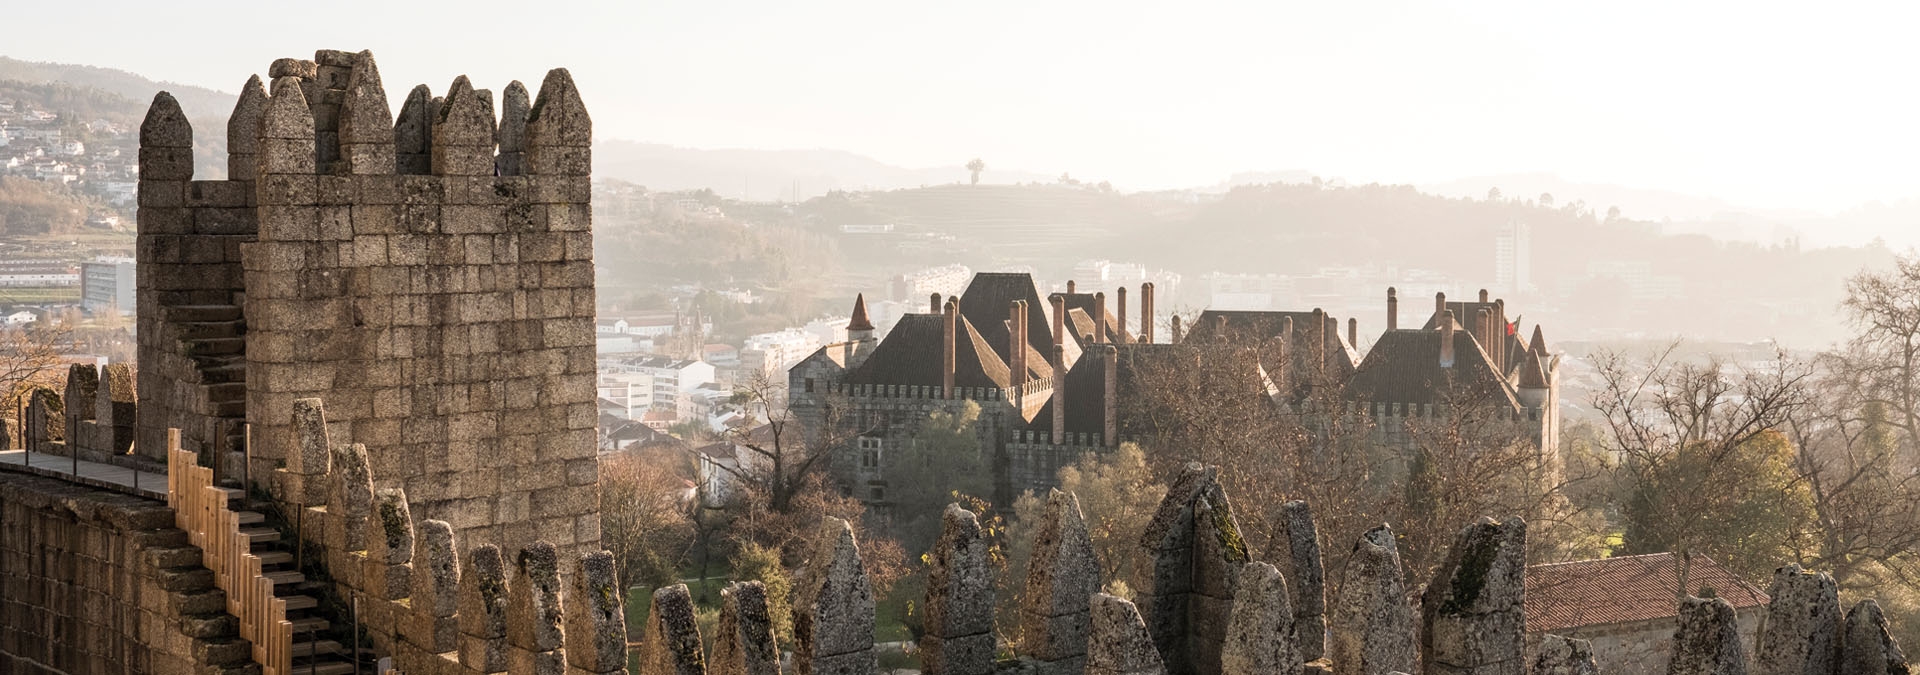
(859, 321)
(1538, 343)
(1533, 380)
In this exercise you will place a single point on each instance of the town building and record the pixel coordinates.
(769, 354)
(945, 280)
(1513, 258)
(1625, 606)
(106, 284)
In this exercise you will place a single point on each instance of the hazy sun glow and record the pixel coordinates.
(1789, 106)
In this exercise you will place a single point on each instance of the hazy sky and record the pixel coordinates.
(1798, 105)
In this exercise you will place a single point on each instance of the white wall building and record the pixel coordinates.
(917, 285)
(771, 354)
(1513, 258)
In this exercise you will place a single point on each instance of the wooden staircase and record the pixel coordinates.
(279, 608)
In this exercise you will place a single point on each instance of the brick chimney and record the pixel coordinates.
(1016, 352)
(1146, 312)
(1393, 309)
(1439, 302)
(949, 333)
(1100, 317)
(934, 304)
(1173, 324)
(1120, 314)
(1483, 295)
(1446, 336)
(1110, 412)
(1059, 393)
(1059, 323)
(1353, 331)
(1500, 334)
(1069, 285)
(1482, 323)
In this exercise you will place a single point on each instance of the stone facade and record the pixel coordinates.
(101, 582)
(431, 277)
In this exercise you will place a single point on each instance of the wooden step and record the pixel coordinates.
(260, 535)
(251, 517)
(284, 577)
(303, 649)
(270, 558)
(298, 602)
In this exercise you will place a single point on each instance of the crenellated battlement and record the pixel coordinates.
(430, 273)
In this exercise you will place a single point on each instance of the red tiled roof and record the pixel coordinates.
(1622, 590)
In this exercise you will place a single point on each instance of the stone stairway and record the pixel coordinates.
(214, 337)
(316, 649)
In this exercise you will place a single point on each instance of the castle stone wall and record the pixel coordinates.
(100, 582)
(435, 286)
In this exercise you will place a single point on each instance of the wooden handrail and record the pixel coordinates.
(201, 508)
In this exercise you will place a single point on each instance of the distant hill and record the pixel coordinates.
(88, 92)
(766, 175)
(197, 102)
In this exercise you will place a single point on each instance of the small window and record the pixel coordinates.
(809, 385)
(876, 493)
(869, 453)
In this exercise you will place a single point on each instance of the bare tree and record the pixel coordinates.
(1477, 456)
(780, 484)
(1278, 431)
(778, 453)
(1882, 363)
(1865, 499)
(1700, 453)
(30, 357)
(644, 518)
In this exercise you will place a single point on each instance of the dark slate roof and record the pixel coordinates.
(1465, 311)
(911, 355)
(985, 304)
(1404, 367)
(1626, 589)
(1134, 364)
(1253, 328)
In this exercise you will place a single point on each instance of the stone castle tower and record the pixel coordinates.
(430, 277)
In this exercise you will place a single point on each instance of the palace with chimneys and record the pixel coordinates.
(1061, 376)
